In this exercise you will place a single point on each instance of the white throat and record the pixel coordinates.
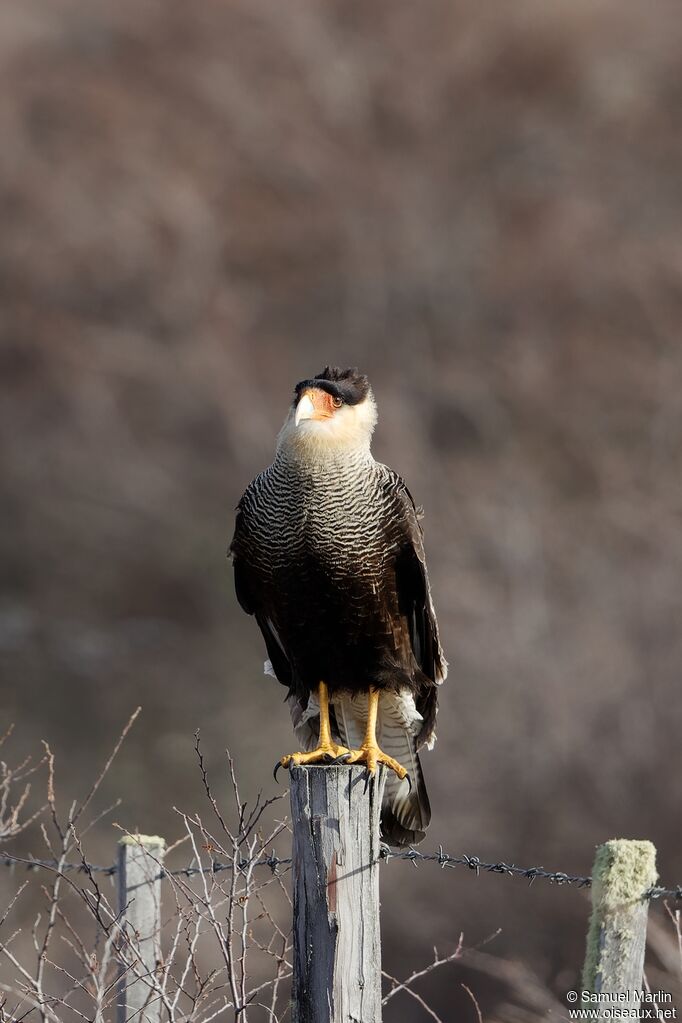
(347, 433)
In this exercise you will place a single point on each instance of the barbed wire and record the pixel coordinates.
(530, 874)
(477, 865)
(274, 862)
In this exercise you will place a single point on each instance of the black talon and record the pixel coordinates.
(340, 759)
(277, 767)
(409, 781)
(368, 775)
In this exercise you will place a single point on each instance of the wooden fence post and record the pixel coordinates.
(614, 963)
(337, 942)
(139, 902)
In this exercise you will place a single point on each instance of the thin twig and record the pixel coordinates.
(473, 999)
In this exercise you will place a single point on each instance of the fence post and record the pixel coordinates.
(337, 943)
(616, 940)
(139, 903)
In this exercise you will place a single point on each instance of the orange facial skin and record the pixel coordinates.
(323, 402)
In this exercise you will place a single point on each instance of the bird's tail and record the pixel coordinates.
(405, 809)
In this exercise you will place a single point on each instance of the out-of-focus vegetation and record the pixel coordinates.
(479, 205)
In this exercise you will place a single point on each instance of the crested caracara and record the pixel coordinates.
(328, 556)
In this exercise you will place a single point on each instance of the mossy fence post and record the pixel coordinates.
(140, 859)
(337, 942)
(616, 939)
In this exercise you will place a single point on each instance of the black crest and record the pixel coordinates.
(347, 384)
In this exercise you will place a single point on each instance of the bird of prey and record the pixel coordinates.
(328, 556)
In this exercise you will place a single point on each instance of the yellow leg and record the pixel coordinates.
(326, 748)
(370, 753)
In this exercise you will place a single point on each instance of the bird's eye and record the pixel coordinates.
(337, 402)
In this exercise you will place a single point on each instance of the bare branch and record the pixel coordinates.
(473, 999)
(437, 962)
(100, 777)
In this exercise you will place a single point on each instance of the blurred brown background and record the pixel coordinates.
(478, 205)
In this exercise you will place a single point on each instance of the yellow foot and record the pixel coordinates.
(372, 755)
(326, 751)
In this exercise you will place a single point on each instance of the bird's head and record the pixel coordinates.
(333, 411)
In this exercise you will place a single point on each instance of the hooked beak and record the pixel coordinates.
(304, 410)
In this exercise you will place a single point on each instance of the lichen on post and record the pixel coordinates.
(616, 940)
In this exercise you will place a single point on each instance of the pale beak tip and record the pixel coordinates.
(304, 410)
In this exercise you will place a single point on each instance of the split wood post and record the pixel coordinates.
(614, 963)
(337, 942)
(140, 858)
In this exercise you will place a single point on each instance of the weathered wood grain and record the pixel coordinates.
(337, 942)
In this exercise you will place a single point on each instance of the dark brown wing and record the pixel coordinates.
(414, 601)
(248, 590)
